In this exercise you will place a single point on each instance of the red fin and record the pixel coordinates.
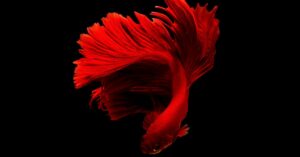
(196, 32)
(183, 131)
(118, 43)
(127, 91)
(95, 96)
(118, 54)
(129, 59)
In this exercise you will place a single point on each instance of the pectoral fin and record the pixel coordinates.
(183, 131)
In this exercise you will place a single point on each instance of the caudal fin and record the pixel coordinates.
(196, 31)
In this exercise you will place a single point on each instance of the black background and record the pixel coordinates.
(224, 112)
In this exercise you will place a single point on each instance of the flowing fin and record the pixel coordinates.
(196, 32)
(119, 43)
(135, 89)
(129, 59)
(95, 96)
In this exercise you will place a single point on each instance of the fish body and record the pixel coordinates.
(157, 60)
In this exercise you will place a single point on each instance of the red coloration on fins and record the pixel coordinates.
(149, 66)
(183, 131)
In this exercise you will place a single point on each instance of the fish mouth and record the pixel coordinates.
(152, 152)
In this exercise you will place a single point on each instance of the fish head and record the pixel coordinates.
(155, 143)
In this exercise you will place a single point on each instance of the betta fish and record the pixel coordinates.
(155, 59)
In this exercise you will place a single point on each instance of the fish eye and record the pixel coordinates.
(156, 147)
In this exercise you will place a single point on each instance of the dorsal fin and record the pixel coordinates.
(118, 43)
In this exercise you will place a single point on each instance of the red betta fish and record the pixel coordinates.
(156, 60)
